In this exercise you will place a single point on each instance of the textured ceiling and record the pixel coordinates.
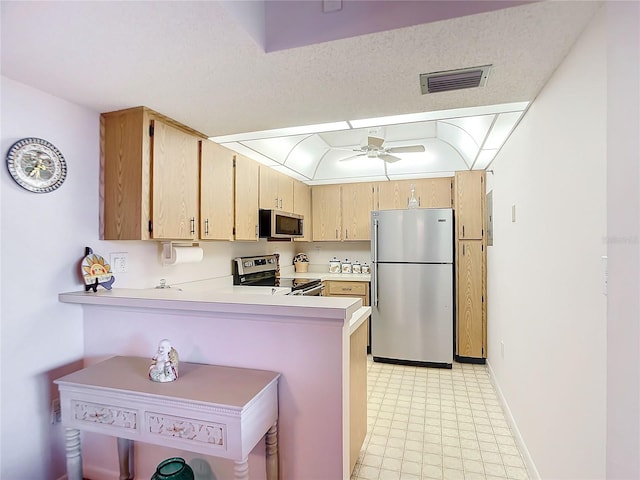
(196, 63)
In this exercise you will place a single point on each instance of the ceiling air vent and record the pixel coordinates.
(454, 79)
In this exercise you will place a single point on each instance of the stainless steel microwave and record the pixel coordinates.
(278, 224)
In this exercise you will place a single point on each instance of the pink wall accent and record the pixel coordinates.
(308, 353)
(291, 24)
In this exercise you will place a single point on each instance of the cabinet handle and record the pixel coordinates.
(193, 225)
(256, 230)
(276, 202)
(346, 234)
(206, 227)
(463, 230)
(280, 204)
(336, 233)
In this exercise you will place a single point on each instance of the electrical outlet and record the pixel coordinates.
(119, 262)
(56, 414)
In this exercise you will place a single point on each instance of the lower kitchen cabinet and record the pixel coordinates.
(340, 288)
(346, 288)
(470, 311)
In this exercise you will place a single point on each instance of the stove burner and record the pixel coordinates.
(261, 271)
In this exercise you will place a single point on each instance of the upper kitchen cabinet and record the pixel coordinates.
(326, 209)
(357, 203)
(429, 193)
(150, 174)
(342, 212)
(302, 206)
(246, 198)
(216, 191)
(276, 190)
(469, 204)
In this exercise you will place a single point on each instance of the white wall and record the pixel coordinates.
(42, 242)
(545, 298)
(623, 231)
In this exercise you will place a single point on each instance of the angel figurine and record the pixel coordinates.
(165, 363)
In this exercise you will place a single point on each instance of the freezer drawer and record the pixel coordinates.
(412, 319)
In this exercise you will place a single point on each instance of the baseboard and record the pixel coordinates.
(526, 456)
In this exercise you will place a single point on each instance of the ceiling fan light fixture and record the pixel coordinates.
(454, 79)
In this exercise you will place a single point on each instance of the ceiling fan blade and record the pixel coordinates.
(375, 142)
(351, 157)
(407, 149)
(388, 158)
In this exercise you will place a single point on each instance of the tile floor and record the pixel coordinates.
(431, 423)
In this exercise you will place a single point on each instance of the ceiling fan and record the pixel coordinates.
(375, 149)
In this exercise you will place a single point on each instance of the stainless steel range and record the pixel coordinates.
(262, 271)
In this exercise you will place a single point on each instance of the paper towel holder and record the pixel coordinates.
(168, 252)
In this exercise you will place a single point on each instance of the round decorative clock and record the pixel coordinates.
(36, 165)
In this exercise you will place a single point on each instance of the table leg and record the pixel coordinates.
(241, 470)
(74, 454)
(271, 441)
(125, 458)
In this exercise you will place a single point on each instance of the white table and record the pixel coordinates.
(211, 410)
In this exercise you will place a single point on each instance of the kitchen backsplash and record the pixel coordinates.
(321, 252)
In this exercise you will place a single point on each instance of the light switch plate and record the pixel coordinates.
(513, 213)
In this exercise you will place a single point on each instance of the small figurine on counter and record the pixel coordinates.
(165, 363)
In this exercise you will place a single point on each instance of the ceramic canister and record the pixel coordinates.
(334, 265)
(173, 469)
(346, 266)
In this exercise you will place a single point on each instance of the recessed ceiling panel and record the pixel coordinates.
(501, 129)
(410, 131)
(276, 148)
(438, 157)
(291, 173)
(304, 156)
(346, 138)
(476, 126)
(332, 167)
(248, 152)
(460, 140)
(484, 159)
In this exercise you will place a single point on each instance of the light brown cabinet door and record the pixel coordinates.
(175, 168)
(429, 192)
(246, 198)
(276, 190)
(126, 167)
(469, 204)
(470, 308)
(357, 203)
(302, 206)
(268, 188)
(216, 191)
(285, 192)
(326, 210)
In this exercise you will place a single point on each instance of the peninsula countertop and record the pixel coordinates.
(348, 311)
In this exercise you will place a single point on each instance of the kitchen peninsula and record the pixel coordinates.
(306, 339)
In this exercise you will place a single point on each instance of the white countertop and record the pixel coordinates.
(256, 301)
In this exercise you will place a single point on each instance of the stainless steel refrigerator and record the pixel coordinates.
(412, 286)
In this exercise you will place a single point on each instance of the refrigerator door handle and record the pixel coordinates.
(374, 263)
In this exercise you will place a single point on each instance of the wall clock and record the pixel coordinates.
(36, 165)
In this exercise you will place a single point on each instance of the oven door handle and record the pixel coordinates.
(314, 291)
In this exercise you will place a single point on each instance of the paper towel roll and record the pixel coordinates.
(185, 255)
